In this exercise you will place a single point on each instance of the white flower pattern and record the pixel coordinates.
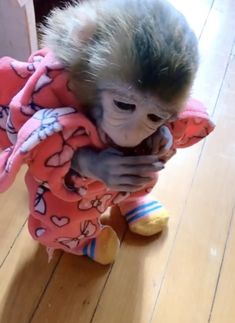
(50, 124)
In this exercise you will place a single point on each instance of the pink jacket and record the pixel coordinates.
(42, 125)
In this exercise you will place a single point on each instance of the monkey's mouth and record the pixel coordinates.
(142, 149)
(111, 143)
(108, 140)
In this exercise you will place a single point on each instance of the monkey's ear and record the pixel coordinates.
(83, 24)
(68, 30)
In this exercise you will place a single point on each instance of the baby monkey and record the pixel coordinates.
(131, 64)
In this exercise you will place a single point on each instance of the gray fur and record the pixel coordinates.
(147, 43)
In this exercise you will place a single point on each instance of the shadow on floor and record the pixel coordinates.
(69, 288)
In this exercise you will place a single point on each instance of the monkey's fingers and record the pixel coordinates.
(162, 141)
(165, 146)
(165, 157)
(128, 188)
(141, 170)
(114, 151)
(128, 183)
(156, 144)
(132, 180)
(139, 160)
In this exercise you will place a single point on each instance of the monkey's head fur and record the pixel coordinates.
(144, 43)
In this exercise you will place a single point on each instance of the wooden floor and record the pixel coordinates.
(187, 275)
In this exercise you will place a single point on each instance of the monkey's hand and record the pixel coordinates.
(162, 142)
(118, 172)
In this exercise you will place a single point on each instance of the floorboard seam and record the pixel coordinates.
(13, 243)
(45, 289)
(221, 264)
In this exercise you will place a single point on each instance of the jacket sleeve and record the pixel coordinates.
(47, 143)
(13, 77)
(192, 125)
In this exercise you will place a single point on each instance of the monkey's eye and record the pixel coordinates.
(154, 118)
(124, 106)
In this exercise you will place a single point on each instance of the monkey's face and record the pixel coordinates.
(147, 44)
(126, 116)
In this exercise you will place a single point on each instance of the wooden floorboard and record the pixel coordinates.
(23, 278)
(193, 271)
(223, 307)
(13, 215)
(196, 258)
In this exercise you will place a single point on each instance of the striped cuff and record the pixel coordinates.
(142, 211)
(89, 250)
